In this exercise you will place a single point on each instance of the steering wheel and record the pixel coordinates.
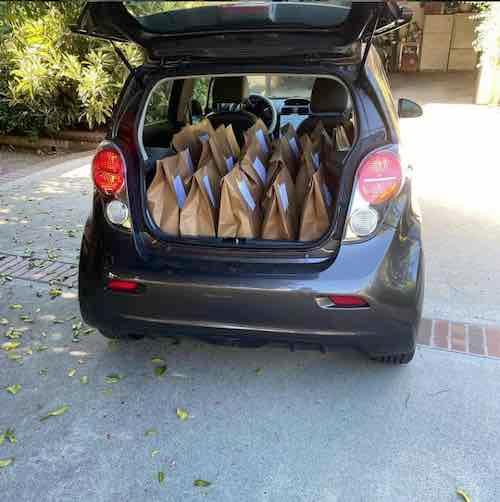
(262, 107)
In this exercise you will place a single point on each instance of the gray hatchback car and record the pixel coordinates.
(361, 284)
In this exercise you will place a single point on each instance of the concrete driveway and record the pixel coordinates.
(267, 424)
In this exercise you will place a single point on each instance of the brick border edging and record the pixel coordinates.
(460, 337)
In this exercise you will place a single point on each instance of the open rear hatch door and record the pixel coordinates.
(244, 29)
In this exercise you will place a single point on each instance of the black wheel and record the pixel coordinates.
(401, 358)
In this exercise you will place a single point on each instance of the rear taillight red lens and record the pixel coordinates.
(348, 301)
(123, 286)
(108, 171)
(380, 177)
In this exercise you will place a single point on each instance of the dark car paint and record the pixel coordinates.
(221, 31)
(252, 294)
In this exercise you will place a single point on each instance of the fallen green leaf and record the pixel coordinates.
(13, 356)
(55, 292)
(2, 438)
(72, 372)
(13, 389)
(160, 371)
(84, 380)
(56, 413)
(157, 360)
(161, 477)
(201, 483)
(15, 306)
(464, 495)
(150, 432)
(58, 321)
(13, 333)
(113, 378)
(10, 346)
(6, 462)
(43, 371)
(4, 321)
(41, 348)
(107, 392)
(258, 371)
(153, 452)
(89, 331)
(11, 436)
(182, 414)
(26, 318)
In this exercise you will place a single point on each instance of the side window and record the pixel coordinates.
(157, 110)
(200, 91)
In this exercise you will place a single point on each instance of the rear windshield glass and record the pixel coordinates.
(176, 17)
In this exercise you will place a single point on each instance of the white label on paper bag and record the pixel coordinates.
(246, 194)
(208, 188)
(180, 191)
(187, 157)
(229, 163)
(203, 137)
(327, 195)
(315, 157)
(260, 169)
(293, 145)
(283, 196)
(262, 140)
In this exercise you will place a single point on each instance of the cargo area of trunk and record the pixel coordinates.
(186, 107)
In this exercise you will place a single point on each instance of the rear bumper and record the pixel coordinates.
(386, 270)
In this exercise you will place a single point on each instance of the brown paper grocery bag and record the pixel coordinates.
(316, 210)
(326, 146)
(317, 131)
(239, 214)
(225, 151)
(260, 133)
(174, 194)
(306, 171)
(289, 132)
(276, 162)
(232, 141)
(280, 209)
(255, 169)
(198, 217)
(156, 194)
(192, 137)
(342, 142)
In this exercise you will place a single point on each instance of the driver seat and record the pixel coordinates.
(228, 95)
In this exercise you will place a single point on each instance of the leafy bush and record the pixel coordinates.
(51, 79)
(488, 34)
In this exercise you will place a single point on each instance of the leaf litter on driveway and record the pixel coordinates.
(13, 389)
(56, 412)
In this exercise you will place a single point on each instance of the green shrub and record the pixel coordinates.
(51, 79)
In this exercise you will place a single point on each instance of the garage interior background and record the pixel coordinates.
(440, 38)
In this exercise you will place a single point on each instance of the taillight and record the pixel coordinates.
(348, 301)
(108, 171)
(123, 286)
(378, 180)
(379, 176)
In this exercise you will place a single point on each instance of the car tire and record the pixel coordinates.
(400, 358)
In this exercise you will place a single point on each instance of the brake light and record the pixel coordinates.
(122, 285)
(347, 301)
(108, 171)
(380, 177)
